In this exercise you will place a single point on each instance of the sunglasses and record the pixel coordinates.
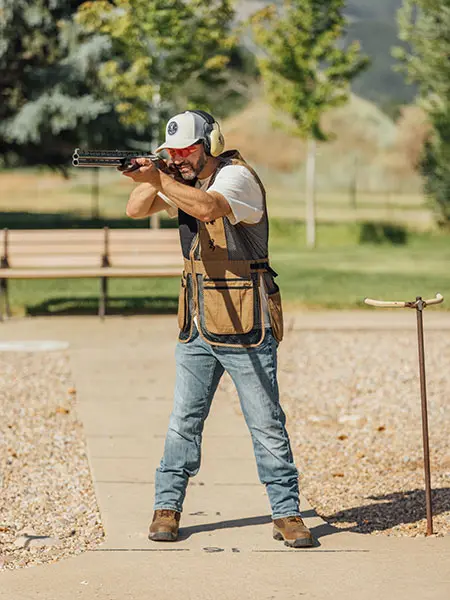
(182, 152)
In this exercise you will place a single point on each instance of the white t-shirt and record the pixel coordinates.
(239, 187)
(242, 192)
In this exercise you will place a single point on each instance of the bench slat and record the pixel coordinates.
(85, 235)
(89, 248)
(142, 260)
(44, 261)
(69, 261)
(78, 273)
(70, 248)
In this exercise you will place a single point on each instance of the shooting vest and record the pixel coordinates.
(221, 281)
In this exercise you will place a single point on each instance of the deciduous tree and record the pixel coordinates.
(306, 71)
(158, 47)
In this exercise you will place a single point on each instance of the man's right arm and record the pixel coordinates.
(144, 202)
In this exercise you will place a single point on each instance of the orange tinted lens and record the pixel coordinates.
(183, 152)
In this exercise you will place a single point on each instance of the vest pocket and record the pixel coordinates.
(228, 306)
(276, 315)
(182, 301)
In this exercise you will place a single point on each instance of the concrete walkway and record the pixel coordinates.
(124, 368)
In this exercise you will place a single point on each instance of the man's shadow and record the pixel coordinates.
(317, 532)
(390, 510)
(186, 532)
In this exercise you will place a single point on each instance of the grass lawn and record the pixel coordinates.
(33, 190)
(339, 273)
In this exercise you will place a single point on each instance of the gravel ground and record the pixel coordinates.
(354, 416)
(48, 509)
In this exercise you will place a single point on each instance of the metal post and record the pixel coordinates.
(423, 394)
(419, 305)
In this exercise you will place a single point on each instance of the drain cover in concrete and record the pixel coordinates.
(33, 346)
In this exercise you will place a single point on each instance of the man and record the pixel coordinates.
(230, 316)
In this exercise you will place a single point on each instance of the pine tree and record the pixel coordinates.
(51, 100)
(306, 71)
(425, 26)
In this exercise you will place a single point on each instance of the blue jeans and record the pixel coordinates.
(199, 367)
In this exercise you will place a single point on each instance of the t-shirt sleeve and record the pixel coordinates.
(171, 208)
(242, 192)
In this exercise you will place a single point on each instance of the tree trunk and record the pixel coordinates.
(310, 194)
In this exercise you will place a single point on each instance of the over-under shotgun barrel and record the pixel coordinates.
(108, 158)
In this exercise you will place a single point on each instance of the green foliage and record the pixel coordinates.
(304, 69)
(381, 233)
(425, 26)
(373, 23)
(435, 167)
(158, 47)
(237, 87)
(80, 73)
(51, 100)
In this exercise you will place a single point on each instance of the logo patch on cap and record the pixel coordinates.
(172, 128)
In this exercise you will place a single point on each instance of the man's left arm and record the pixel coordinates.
(204, 206)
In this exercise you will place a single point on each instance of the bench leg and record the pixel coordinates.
(103, 304)
(4, 299)
(8, 307)
(2, 294)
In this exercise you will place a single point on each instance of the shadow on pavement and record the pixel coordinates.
(317, 531)
(156, 305)
(74, 220)
(186, 532)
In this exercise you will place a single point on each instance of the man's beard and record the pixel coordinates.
(193, 172)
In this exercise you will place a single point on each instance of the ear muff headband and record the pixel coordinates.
(214, 140)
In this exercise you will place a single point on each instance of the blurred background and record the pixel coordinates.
(364, 210)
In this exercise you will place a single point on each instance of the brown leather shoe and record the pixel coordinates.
(164, 527)
(293, 531)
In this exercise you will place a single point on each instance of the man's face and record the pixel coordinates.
(190, 161)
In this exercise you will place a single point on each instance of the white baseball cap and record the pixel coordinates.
(183, 130)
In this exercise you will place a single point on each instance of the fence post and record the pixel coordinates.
(95, 194)
(155, 221)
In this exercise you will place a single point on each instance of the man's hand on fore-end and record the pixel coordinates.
(146, 173)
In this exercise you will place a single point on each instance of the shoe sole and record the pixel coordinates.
(163, 536)
(298, 543)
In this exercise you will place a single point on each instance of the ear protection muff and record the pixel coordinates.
(213, 137)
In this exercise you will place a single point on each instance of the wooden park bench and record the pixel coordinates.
(79, 253)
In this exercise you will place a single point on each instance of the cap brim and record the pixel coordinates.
(178, 144)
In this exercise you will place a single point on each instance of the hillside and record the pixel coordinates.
(366, 149)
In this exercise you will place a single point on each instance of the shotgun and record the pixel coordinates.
(120, 159)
